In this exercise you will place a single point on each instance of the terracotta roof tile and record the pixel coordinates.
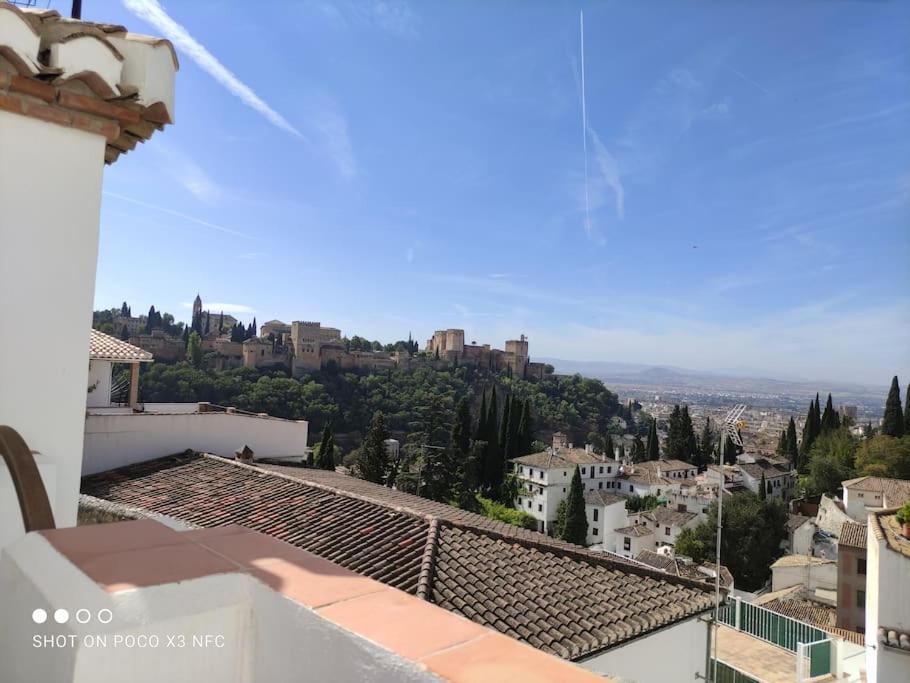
(572, 601)
(853, 535)
(105, 347)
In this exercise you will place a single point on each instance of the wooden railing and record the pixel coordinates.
(33, 502)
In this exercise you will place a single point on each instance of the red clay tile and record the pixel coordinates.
(84, 542)
(314, 582)
(399, 622)
(494, 657)
(154, 566)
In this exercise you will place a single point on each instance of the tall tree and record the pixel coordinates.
(707, 444)
(689, 438)
(781, 449)
(575, 527)
(811, 430)
(525, 429)
(221, 323)
(674, 446)
(194, 349)
(480, 433)
(830, 419)
(124, 333)
(608, 446)
(460, 437)
(653, 446)
(325, 457)
(762, 488)
(150, 320)
(622, 452)
(792, 451)
(505, 425)
(373, 459)
(638, 449)
(208, 326)
(893, 420)
(124, 310)
(830, 462)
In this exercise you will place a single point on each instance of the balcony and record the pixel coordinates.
(139, 601)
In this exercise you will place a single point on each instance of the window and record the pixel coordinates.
(609, 470)
(595, 514)
(539, 507)
(529, 505)
(860, 566)
(601, 470)
(565, 474)
(563, 489)
(627, 543)
(667, 531)
(861, 599)
(600, 484)
(541, 474)
(630, 488)
(594, 531)
(583, 470)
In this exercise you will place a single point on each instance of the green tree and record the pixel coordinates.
(792, 451)
(831, 461)
(674, 446)
(830, 419)
(706, 445)
(884, 456)
(762, 488)
(811, 430)
(653, 447)
(638, 449)
(636, 503)
(893, 420)
(575, 528)
(124, 333)
(324, 457)
(373, 460)
(194, 350)
(781, 449)
(525, 430)
(689, 438)
(460, 437)
(752, 533)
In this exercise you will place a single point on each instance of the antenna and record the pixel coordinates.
(729, 427)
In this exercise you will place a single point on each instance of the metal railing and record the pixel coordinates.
(33, 501)
(724, 673)
(813, 659)
(769, 626)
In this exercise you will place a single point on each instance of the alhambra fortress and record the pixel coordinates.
(303, 346)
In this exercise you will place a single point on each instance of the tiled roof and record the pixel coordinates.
(659, 561)
(572, 602)
(671, 464)
(885, 527)
(677, 567)
(800, 561)
(563, 457)
(105, 347)
(756, 469)
(896, 491)
(636, 530)
(93, 77)
(665, 515)
(601, 497)
(794, 522)
(853, 535)
(795, 603)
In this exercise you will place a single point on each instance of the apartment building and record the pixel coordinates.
(851, 577)
(868, 494)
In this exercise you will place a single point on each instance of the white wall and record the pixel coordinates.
(609, 517)
(267, 637)
(48, 255)
(887, 605)
(812, 577)
(675, 653)
(99, 383)
(802, 539)
(115, 440)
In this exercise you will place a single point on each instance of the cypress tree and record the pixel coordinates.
(608, 446)
(124, 333)
(653, 447)
(675, 446)
(460, 437)
(254, 327)
(810, 432)
(690, 440)
(792, 451)
(575, 529)
(763, 488)
(706, 444)
(124, 310)
(150, 320)
(480, 432)
(830, 419)
(325, 459)
(781, 449)
(207, 322)
(221, 323)
(622, 452)
(893, 420)
(504, 425)
(372, 462)
(525, 437)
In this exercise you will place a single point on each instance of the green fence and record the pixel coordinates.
(724, 673)
(771, 626)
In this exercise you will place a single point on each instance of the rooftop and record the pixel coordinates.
(680, 566)
(105, 347)
(562, 457)
(886, 527)
(636, 530)
(797, 603)
(853, 535)
(794, 522)
(601, 497)
(573, 603)
(90, 76)
(800, 561)
(896, 491)
(665, 515)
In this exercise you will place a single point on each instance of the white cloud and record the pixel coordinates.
(153, 13)
(219, 306)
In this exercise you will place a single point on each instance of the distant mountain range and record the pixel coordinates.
(666, 377)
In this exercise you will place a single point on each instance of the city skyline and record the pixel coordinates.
(749, 204)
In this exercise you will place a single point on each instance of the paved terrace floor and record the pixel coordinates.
(755, 657)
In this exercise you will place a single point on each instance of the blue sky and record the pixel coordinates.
(387, 167)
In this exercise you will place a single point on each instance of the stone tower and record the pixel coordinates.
(197, 306)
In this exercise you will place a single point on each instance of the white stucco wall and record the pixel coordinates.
(812, 577)
(609, 517)
(887, 605)
(48, 255)
(99, 383)
(266, 637)
(802, 539)
(675, 653)
(115, 440)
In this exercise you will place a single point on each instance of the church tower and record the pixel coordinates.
(197, 306)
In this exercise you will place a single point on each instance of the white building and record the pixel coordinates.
(868, 494)
(800, 530)
(815, 574)
(633, 539)
(887, 600)
(605, 512)
(546, 477)
(104, 352)
(779, 476)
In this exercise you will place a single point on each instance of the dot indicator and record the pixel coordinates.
(83, 616)
(61, 616)
(105, 616)
(39, 616)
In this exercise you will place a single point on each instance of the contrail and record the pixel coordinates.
(584, 122)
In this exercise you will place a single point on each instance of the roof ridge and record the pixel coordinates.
(428, 562)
